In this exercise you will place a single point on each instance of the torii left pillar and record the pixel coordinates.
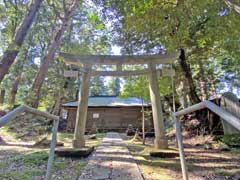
(79, 140)
(160, 140)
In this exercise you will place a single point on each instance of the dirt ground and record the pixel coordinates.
(202, 164)
(20, 160)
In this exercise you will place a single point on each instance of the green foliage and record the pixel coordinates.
(11, 15)
(87, 35)
(35, 158)
(136, 86)
(113, 86)
(206, 29)
(231, 140)
(97, 86)
(25, 174)
(223, 172)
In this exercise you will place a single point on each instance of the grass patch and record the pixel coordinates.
(63, 136)
(101, 135)
(66, 166)
(223, 172)
(152, 167)
(3, 164)
(79, 166)
(59, 165)
(30, 163)
(235, 150)
(33, 158)
(20, 175)
(68, 137)
(5, 132)
(231, 139)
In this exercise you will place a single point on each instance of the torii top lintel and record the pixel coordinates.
(76, 59)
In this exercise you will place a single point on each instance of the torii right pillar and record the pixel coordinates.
(160, 140)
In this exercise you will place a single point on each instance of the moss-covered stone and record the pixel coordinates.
(162, 154)
(74, 152)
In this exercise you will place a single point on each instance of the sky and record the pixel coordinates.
(116, 50)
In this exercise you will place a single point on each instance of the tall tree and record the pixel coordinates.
(13, 49)
(51, 51)
(188, 75)
(236, 7)
(205, 29)
(97, 86)
(114, 86)
(2, 95)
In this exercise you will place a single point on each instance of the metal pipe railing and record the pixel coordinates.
(181, 149)
(23, 108)
(225, 115)
(52, 149)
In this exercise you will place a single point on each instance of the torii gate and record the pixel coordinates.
(86, 63)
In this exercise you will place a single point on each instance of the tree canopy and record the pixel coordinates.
(206, 31)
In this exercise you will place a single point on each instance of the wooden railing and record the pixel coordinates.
(225, 115)
(23, 108)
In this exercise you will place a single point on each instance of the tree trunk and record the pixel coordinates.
(202, 82)
(230, 4)
(2, 96)
(184, 95)
(57, 105)
(12, 51)
(213, 87)
(15, 88)
(34, 96)
(169, 100)
(188, 75)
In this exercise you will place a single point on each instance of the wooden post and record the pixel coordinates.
(79, 131)
(143, 123)
(160, 139)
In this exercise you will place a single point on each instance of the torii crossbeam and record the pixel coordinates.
(86, 62)
(118, 59)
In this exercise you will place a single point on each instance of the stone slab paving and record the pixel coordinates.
(111, 161)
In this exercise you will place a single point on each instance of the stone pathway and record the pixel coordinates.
(111, 161)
